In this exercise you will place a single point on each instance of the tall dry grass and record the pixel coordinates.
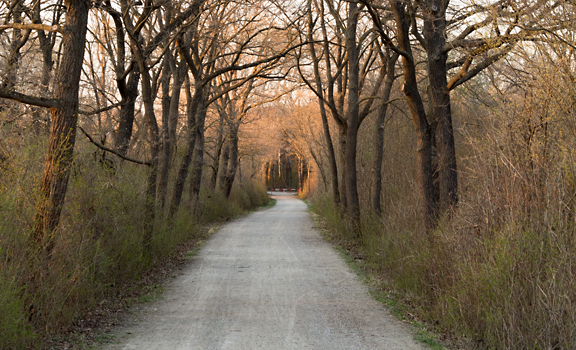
(513, 236)
(501, 269)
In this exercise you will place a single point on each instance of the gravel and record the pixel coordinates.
(266, 281)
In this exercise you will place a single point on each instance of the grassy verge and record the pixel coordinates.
(502, 282)
(359, 260)
(100, 263)
(183, 253)
(270, 204)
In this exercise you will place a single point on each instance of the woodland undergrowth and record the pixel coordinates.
(499, 272)
(98, 245)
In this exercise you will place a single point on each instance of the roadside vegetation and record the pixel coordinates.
(100, 245)
(436, 137)
(498, 271)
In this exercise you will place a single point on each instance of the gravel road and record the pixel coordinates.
(266, 281)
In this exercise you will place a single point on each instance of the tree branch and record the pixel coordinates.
(102, 110)
(104, 148)
(488, 61)
(32, 26)
(31, 100)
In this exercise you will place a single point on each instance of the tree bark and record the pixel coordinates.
(191, 110)
(123, 133)
(325, 126)
(198, 160)
(16, 43)
(353, 119)
(421, 125)
(233, 159)
(380, 125)
(342, 137)
(154, 135)
(179, 75)
(223, 166)
(218, 152)
(166, 141)
(128, 89)
(434, 35)
(60, 153)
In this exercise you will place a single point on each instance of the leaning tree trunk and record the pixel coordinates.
(59, 157)
(421, 125)
(390, 77)
(191, 110)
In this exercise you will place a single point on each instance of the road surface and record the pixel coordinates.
(266, 281)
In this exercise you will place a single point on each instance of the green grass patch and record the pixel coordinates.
(154, 293)
(270, 204)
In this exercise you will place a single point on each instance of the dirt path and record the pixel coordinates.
(266, 281)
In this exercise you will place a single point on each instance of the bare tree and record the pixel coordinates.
(215, 55)
(64, 108)
(347, 83)
(465, 36)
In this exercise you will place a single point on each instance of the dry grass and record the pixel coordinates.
(501, 270)
(98, 246)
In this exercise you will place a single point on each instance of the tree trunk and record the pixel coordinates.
(179, 75)
(421, 125)
(59, 157)
(218, 152)
(127, 113)
(128, 89)
(154, 135)
(353, 119)
(13, 58)
(223, 166)
(166, 141)
(198, 160)
(320, 168)
(434, 31)
(233, 159)
(46, 46)
(46, 43)
(380, 125)
(191, 110)
(325, 125)
(342, 137)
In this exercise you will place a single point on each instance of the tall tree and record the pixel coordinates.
(350, 77)
(390, 59)
(466, 37)
(64, 109)
(214, 53)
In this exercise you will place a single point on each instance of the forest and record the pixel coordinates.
(434, 137)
